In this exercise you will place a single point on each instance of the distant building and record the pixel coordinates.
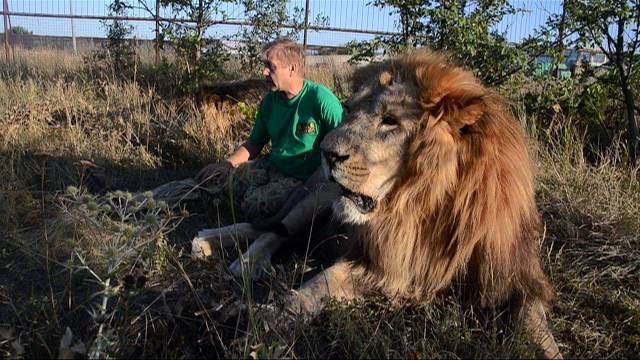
(573, 64)
(575, 59)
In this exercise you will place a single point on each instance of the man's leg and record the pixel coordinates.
(319, 196)
(265, 199)
(222, 198)
(323, 193)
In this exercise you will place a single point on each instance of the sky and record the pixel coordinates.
(352, 14)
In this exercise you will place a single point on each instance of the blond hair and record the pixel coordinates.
(287, 51)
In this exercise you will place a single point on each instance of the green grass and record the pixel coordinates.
(89, 270)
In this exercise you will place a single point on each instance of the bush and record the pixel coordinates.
(463, 32)
(117, 58)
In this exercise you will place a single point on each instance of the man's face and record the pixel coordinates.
(279, 74)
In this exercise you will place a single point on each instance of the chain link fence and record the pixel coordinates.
(79, 25)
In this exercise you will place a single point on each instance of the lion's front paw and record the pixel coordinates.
(299, 304)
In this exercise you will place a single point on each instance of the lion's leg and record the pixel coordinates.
(227, 236)
(297, 195)
(304, 202)
(336, 281)
(535, 321)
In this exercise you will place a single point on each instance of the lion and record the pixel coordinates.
(232, 92)
(438, 187)
(436, 184)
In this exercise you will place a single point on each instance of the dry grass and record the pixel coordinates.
(113, 270)
(592, 217)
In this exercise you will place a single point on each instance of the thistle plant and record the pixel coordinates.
(118, 231)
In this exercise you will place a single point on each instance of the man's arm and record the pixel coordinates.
(331, 110)
(243, 154)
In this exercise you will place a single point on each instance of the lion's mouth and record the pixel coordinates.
(363, 203)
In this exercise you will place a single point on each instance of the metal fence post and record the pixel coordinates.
(306, 24)
(157, 47)
(7, 28)
(6, 33)
(73, 28)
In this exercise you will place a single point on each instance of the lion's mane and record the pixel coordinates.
(464, 210)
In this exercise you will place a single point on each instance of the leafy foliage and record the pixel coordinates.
(163, 304)
(266, 18)
(613, 27)
(198, 55)
(20, 30)
(462, 28)
(116, 58)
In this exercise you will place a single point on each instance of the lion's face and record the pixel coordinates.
(367, 154)
(410, 127)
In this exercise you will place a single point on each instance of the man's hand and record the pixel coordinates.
(213, 170)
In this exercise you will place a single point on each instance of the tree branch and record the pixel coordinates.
(146, 7)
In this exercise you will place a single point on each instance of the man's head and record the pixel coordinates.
(283, 62)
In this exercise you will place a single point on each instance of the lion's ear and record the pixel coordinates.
(454, 93)
(461, 108)
(459, 115)
(464, 101)
(470, 113)
(385, 78)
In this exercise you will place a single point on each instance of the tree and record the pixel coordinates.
(463, 28)
(612, 26)
(199, 56)
(116, 57)
(120, 50)
(551, 39)
(265, 17)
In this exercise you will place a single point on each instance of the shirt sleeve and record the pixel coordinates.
(330, 110)
(259, 134)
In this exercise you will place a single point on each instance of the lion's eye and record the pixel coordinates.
(389, 121)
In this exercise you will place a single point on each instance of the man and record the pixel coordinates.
(295, 116)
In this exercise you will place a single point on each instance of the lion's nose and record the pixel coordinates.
(333, 158)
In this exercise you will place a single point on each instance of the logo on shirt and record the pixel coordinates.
(306, 128)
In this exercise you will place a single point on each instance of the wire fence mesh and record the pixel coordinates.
(55, 23)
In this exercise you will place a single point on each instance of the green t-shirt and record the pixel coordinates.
(296, 127)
